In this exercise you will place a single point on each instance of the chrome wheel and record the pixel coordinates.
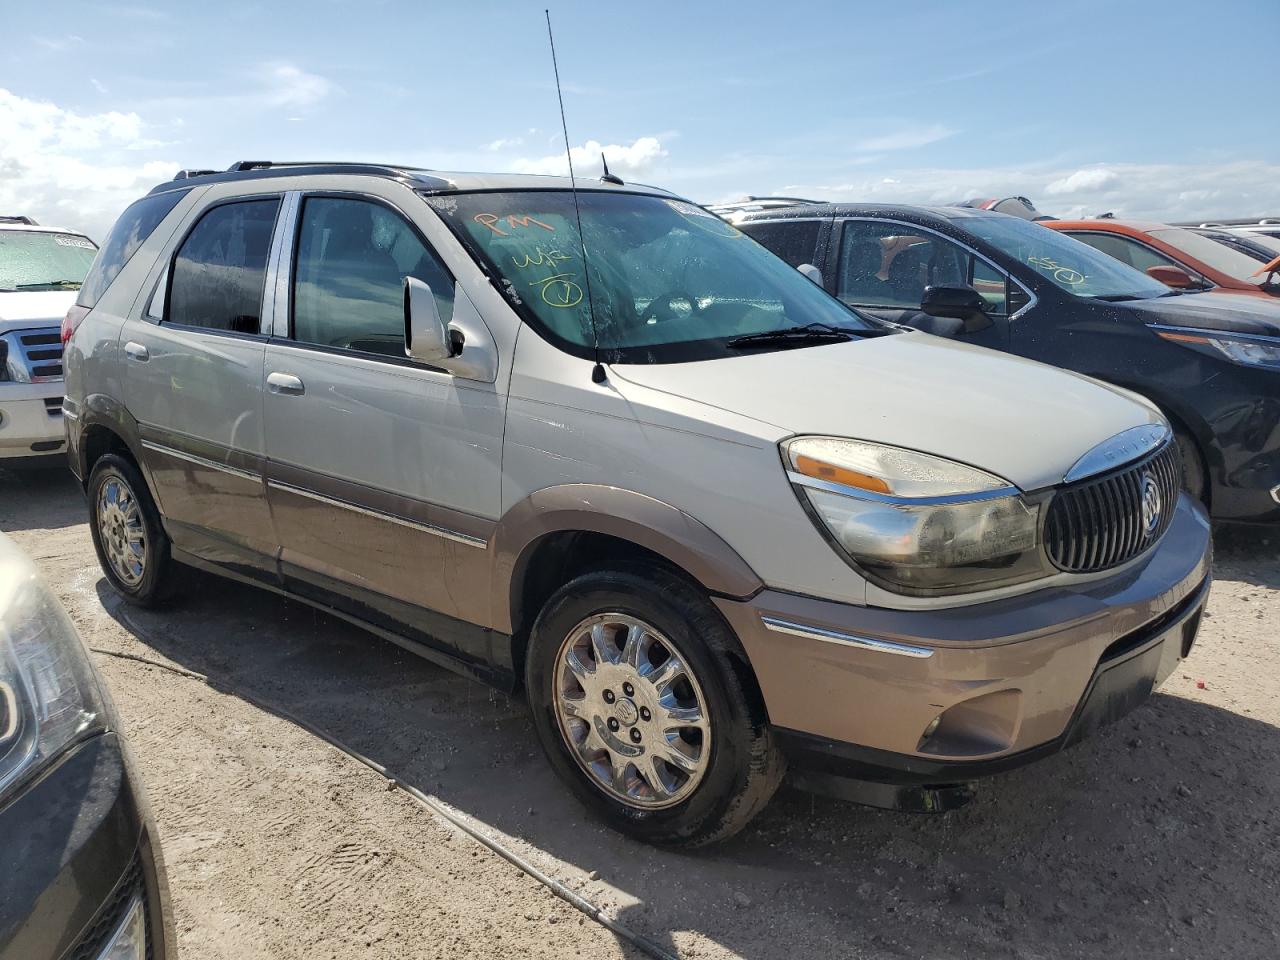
(124, 538)
(631, 711)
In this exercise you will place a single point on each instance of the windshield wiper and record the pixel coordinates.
(809, 333)
(1122, 298)
(50, 283)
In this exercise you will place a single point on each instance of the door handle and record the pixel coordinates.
(285, 383)
(136, 351)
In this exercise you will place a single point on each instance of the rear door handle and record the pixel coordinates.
(136, 351)
(285, 383)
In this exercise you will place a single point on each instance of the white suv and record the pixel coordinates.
(41, 268)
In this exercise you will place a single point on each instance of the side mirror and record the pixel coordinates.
(426, 337)
(1174, 277)
(958, 303)
(812, 272)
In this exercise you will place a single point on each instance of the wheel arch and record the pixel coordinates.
(557, 532)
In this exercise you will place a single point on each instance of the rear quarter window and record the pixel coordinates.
(129, 233)
(793, 240)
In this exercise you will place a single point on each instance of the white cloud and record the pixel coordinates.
(1083, 181)
(60, 44)
(638, 157)
(502, 143)
(291, 86)
(1157, 191)
(70, 169)
(97, 85)
(907, 138)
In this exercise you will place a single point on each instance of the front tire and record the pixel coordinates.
(645, 706)
(128, 537)
(1194, 476)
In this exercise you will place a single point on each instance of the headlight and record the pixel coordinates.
(49, 695)
(1243, 348)
(917, 523)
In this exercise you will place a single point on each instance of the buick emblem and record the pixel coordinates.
(1152, 505)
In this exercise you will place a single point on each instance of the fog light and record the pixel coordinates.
(129, 942)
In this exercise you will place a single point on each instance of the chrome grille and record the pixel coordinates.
(34, 356)
(1102, 522)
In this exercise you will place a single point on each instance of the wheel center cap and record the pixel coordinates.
(625, 711)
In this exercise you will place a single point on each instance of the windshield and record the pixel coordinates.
(1211, 253)
(1074, 266)
(669, 282)
(33, 260)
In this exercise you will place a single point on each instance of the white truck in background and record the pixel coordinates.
(41, 270)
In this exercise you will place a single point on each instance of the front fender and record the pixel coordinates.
(593, 508)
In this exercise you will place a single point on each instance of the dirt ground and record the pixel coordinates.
(1160, 837)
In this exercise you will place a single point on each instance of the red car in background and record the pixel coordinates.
(1177, 257)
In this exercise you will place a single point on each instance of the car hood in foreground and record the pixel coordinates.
(1022, 420)
(36, 308)
(1228, 312)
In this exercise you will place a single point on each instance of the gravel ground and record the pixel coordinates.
(1157, 838)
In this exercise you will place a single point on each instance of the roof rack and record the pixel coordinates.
(241, 165)
(254, 169)
(25, 221)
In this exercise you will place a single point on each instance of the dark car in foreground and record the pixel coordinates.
(1211, 361)
(80, 870)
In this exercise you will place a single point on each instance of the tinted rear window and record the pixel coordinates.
(129, 233)
(792, 240)
(221, 268)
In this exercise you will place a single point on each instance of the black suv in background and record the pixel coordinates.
(80, 871)
(1210, 360)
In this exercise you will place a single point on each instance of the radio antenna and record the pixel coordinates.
(597, 372)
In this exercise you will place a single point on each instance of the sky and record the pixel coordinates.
(1158, 110)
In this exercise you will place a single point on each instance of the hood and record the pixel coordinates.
(1228, 312)
(26, 309)
(1022, 420)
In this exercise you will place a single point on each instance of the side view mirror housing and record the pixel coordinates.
(463, 347)
(812, 272)
(1174, 277)
(426, 337)
(958, 303)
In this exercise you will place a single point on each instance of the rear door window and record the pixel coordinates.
(885, 264)
(129, 233)
(220, 270)
(348, 288)
(795, 241)
(1135, 254)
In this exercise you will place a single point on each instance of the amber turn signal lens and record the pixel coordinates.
(821, 470)
(1181, 337)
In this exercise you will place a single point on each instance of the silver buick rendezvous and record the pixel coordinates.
(591, 440)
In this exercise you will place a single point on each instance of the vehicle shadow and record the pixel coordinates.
(40, 499)
(1250, 554)
(1155, 837)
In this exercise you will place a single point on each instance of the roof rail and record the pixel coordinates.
(25, 221)
(241, 165)
(417, 177)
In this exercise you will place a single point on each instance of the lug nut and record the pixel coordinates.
(644, 713)
(635, 735)
(613, 724)
(608, 696)
(628, 689)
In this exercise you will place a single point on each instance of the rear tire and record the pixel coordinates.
(662, 678)
(132, 547)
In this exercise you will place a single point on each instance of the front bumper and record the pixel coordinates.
(78, 849)
(31, 421)
(856, 691)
